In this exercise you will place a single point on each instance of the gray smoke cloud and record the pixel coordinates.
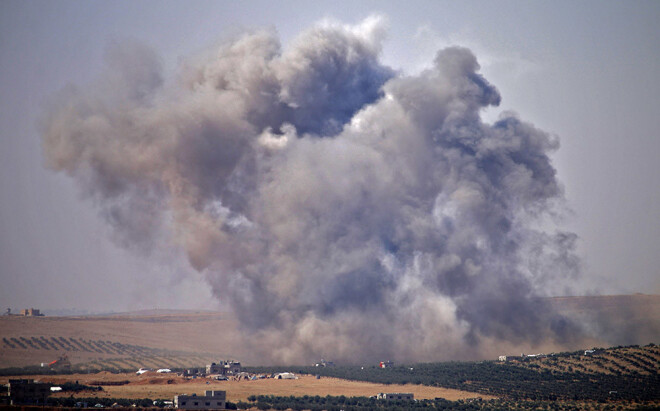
(341, 208)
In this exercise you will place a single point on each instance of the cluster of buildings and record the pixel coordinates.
(395, 396)
(28, 312)
(29, 392)
(224, 368)
(505, 358)
(219, 369)
(324, 363)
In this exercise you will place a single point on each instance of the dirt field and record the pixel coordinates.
(154, 385)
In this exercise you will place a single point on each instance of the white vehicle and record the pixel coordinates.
(163, 370)
(142, 371)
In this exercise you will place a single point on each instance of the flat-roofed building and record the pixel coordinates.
(212, 400)
(27, 392)
(31, 312)
(224, 368)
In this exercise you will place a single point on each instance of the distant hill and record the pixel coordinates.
(181, 338)
(155, 339)
(159, 312)
(615, 319)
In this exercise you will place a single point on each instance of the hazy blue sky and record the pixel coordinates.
(583, 71)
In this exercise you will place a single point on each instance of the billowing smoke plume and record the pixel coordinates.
(341, 208)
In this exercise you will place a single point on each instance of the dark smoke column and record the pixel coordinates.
(342, 209)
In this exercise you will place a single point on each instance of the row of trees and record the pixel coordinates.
(75, 344)
(508, 380)
(336, 403)
(108, 402)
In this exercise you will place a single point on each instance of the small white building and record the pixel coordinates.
(505, 358)
(212, 400)
(285, 376)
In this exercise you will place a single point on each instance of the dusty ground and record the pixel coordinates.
(153, 385)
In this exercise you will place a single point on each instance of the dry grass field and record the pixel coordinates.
(166, 386)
